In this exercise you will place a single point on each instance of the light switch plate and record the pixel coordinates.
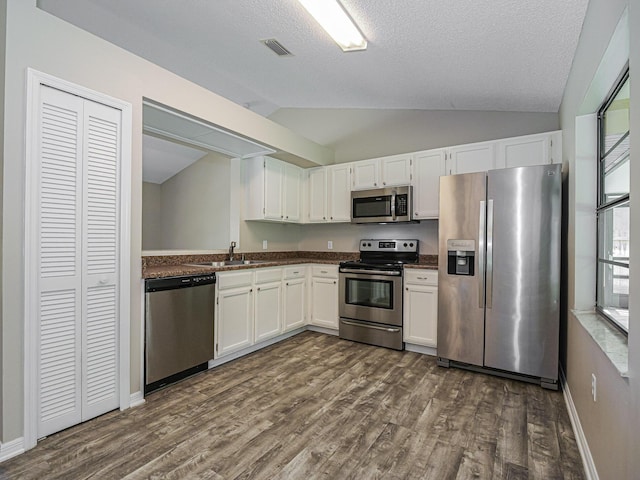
(264, 244)
(330, 245)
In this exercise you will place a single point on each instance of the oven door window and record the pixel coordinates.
(369, 293)
(372, 207)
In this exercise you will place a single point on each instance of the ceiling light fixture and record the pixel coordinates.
(331, 16)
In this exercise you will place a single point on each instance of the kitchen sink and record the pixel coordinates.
(226, 263)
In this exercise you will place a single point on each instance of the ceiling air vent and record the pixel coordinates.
(276, 47)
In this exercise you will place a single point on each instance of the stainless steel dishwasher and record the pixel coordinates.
(178, 328)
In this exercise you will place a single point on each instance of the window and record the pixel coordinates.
(612, 297)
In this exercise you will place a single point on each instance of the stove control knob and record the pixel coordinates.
(405, 244)
(411, 244)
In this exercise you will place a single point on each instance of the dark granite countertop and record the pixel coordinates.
(179, 265)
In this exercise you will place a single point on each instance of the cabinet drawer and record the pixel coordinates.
(235, 279)
(295, 272)
(265, 275)
(422, 277)
(328, 271)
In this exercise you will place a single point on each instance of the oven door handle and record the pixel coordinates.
(374, 327)
(370, 272)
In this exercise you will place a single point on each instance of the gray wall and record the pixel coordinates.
(357, 134)
(611, 423)
(345, 236)
(189, 211)
(151, 216)
(3, 32)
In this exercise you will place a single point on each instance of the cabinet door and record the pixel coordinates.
(339, 197)
(273, 185)
(427, 168)
(294, 303)
(395, 170)
(420, 314)
(291, 192)
(317, 195)
(234, 320)
(524, 151)
(324, 302)
(268, 311)
(477, 157)
(366, 174)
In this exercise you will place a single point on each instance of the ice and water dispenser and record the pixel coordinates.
(460, 257)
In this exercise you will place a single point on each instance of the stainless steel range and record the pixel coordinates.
(371, 292)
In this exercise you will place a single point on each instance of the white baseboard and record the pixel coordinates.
(254, 348)
(136, 399)
(587, 460)
(412, 347)
(11, 449)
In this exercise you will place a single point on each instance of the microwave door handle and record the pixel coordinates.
(393, 205)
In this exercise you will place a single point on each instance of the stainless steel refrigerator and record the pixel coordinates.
(499, 272)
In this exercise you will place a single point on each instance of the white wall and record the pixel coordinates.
(38, 40)
(357, 134)
(611, 423)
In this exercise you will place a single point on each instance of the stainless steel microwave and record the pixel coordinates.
(382, 205)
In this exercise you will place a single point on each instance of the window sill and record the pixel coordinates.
(612, 342)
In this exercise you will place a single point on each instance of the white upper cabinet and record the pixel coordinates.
(428, 166)
(395, 170)
(339, 192)
(273, 185)
(366, 174)
(272, 190)
(291, 192)
(317, 194)
(475, 157)
(528, 150)
(382, 172)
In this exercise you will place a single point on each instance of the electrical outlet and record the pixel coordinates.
(330, 245)
(264, 244)
(593, 386)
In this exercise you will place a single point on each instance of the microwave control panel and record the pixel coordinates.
(401, 205)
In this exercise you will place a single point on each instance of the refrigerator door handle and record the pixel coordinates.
(489, 272)
(481, 259)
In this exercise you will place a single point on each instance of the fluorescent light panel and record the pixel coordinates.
(334, 19)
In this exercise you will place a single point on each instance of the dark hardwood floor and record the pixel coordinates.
(315, 406)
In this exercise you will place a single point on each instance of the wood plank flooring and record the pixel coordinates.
(315, 406)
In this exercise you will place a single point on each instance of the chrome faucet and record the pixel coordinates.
(231, 247)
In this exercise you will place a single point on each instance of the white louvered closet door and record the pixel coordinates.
(100, 233)
(78, 152)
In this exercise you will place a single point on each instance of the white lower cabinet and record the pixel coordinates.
(234, 317)
(258, 304)
(324, 296)
(294, 294)
(421, 307)
(268, 304)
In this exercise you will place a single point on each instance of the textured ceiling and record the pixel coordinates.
(501, 55)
